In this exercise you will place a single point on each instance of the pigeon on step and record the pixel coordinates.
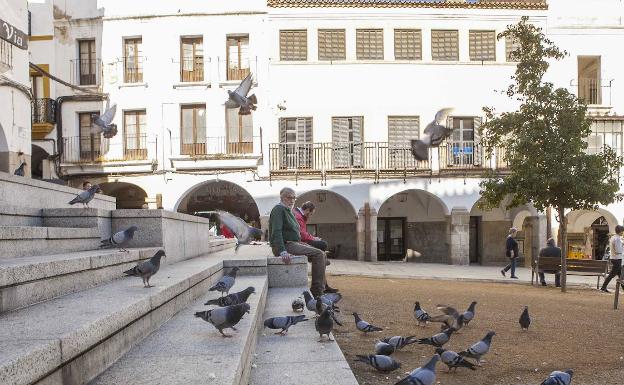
(20, 170)
(425, 375)
(119, 239)
(324, 324)
(225, 283)
(364, 326)
(146, 269)
(224, 317)
(479, 349)
(233, 299)
(559, 378)
(298, 305)
(381, 363)
(85, 196)
(283, 323)
(454, 360)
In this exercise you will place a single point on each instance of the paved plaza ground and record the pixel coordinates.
(577, 330)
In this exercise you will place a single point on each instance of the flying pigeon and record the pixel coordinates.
(434, 134)
(232, 299)
(364, 326)
(104, 123)
(559, 378)
(238, 97)
(450, 319)
(146, 269)
(384, 348)
(400, 342)
(439, 339)
(298, 305)
(225, 283)
(85, 196)
(525, 320)
(224, 317)
(422, 317)
(469, 313)
(425, 375)
(20, 170)
(380, 362)
(479, 349)
(454, 360)
(119, 238)
(242, 231)
(324, 324)
(283, 323)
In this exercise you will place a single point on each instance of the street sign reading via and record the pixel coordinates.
(13, 35)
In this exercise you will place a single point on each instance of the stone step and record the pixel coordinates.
(71, 339)
(187, 350)
(19, 241)
(297, 358)
(28, 280)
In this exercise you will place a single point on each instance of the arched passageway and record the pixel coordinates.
(129, 196)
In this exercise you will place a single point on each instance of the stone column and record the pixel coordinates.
(460, 227)
(366, 228)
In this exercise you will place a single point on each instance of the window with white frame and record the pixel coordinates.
(605, 132)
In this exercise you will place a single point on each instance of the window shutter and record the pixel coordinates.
(445, 45)
(340, 142)
(294, 45)
(357, 144)
(482, 45)
(408, 44)
(478, 153)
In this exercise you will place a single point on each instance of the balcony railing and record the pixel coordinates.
(237, 71)
(85, 72)
(94, 149)
(43, 111)
(220, 146)
(133, 69)
(589, 90)
(461, 156)
(192, 69)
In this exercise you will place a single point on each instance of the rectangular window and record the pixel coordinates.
(192, 59)
(463, 147)
(589, 74)
(511, 45)
(237, 57)
(605, 133)
(294, 45)
(89, 142)
(331, 44)
(193, 127)
(133, 60)
(408, 44)
(401, 130)
(87, 62)
(296, 147)
(347, 143)
(135, 135)
(482, 45)
(445, 45)
(6, 54)
(239, 132)
(369, 44)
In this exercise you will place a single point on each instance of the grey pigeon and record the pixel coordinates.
(324, 324)
(380, 362)
(85, 196)
(434, 134)
(119, 238)
(224, 317)
(425, 375)
(400, 342)
(450, 319)
(326, 301)
(439, 339)
(454, 360)
(225, 283)
(146, 269)
(283, 323)
(479, 349)
(384, 348)
(19, 171)
(525, 319)
(298, 305)
(364, 326)
(232, 299)
(103, 124)
(238, 97)
(242, 231)
(422, 317)
(559, 378)
(469, 313)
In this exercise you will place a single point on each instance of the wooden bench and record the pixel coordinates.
(616, 298)
(545, 264)
(585, 267)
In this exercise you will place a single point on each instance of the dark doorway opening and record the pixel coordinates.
(600, 241)
(390, 239)
(475, 239)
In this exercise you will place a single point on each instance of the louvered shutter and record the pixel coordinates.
(478, 154)
(357, 143)
(304, 142)
(340, 142)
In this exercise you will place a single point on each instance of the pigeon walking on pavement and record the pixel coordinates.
(244, 233)
(364, 326)
(559, 378)
(224, 317)
(326, 300)
(239, 99)
(233, 299)
(380, 362)
(225, 283)
(119, 239)
(525, 319)
(434, 134)
(437, 340)
(469, 313)
(479, 349)
(454, 360)
(400, 342)
(19, 171)
(425, 375)
(85, 196)
(421, 316)
(324, 324)
(283, 323)
(103, 124)
(147, 269)
(384, 348)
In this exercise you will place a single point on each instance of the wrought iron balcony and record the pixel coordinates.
(85, 72)
(220, 146)
(461, 156)
(95, 149)
(43, 111)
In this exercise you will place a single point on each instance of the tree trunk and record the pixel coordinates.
(563, 235)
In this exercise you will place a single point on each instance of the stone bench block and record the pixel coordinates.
(282, 275)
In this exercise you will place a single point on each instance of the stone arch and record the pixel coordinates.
(579, 219)
(129, 196)
(588, 232)
(38, 161)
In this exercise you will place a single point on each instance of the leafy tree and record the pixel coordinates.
(545, 141)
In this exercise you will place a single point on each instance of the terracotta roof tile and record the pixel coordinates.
(487, 4)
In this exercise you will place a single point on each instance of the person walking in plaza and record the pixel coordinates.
(511, 252)
(551, 250)
(285, 240)
(617, 251)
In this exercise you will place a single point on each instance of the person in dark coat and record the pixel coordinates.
(512, 253)
(551, 250)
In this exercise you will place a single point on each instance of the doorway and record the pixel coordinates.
(474, 235)
(600, 241)
(390, 239)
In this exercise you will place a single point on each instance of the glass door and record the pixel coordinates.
(390, 239)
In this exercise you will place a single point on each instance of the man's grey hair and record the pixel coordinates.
(286, 190)
(512, 230)
(550, 242)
